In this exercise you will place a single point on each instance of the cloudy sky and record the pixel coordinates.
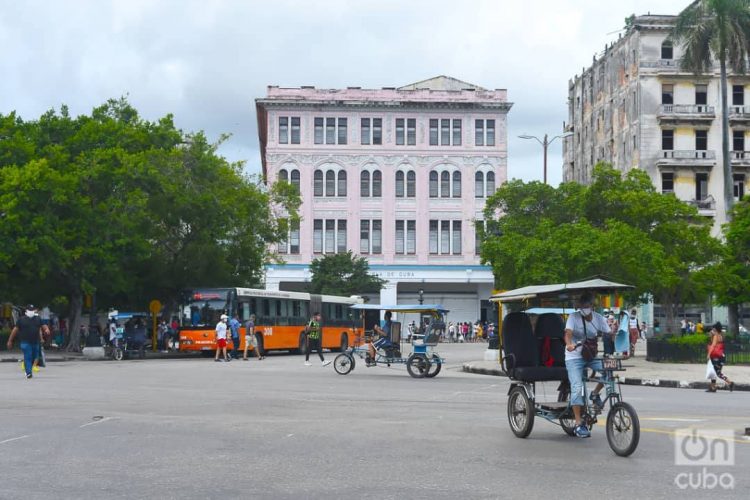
(205, 61)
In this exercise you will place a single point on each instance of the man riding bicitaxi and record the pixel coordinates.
(384, 338)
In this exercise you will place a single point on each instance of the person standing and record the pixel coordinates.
(221, 339)
(250, 339)
(451, 332)
(314, 332)
(634, 330)
(29, 330)
(112, 331)
(609, 339)
(717, 357)
(234, 328)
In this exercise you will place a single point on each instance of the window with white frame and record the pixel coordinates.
(329, 130)
(285, 122)
(406, 131)
(341, 187)
(445, 184)
(445, 237)
(433, 184)
(484, 132)
(370, 236)
(739, 186)
(445, 132)
(329, 236)
(377, 184)
(283, 175)
(484, 184)
(330, 183)
(479, 228)
(490, 183)
(294, 180)
(411, 184)
(456, 184)
(371, 131)
(318, 183)
(334, 184)
(479, 185)
(364, 184)
(406, 237)
(400, 191)
(290, 244)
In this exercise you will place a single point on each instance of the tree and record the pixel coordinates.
(716, 30)
(618, 226)
(124, 208)
(343, 274)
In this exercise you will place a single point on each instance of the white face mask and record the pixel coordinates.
(29, 314)
(586, 311)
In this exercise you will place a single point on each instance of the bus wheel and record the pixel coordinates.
(344, 345)
(302, 344)
(259, 342)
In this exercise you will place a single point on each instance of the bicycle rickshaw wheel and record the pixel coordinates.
(418, 365)
(343, 364)
(435, 365)
(520, 412)
(568, 424)
(117, 354)
(623, 429)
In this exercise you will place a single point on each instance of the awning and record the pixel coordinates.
(530, 292)
(402, 308)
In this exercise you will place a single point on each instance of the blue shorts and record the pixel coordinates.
(575, 369)
(381, 343)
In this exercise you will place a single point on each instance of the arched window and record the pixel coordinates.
(667, 50)
(377, 184)
(318, 183)
(433, 184)
(445, 184)
(283, 175)
(342, 183)
(490, 183)
(295, 179)
(399, 184)
(411, 184)
(479, 185)
(330, 183)
(456, 184)
(364, 184)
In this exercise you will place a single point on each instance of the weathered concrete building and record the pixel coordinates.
(636, 108)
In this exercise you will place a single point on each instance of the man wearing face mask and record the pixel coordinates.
(582, 324)
(29, 329)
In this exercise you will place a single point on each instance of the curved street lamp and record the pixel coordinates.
(545, 144)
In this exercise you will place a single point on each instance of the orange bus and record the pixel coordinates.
(280, 318)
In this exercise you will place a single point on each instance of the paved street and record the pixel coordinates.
(192, 428)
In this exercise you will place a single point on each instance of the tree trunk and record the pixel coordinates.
(74, 322)
(726, 161)
(733, 327)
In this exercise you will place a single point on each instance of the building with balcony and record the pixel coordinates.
(397, 175)
(634, 107)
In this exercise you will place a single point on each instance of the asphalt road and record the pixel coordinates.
(278, 429)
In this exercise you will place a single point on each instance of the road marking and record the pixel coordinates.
(97, 422)
(675, 433)
(13, 439)
(667, 419)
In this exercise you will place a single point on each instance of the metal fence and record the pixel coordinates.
(660, 350)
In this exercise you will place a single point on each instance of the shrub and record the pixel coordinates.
(695, 339)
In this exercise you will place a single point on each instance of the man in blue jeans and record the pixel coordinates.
(582, 324)
(234, 329)
(29, 329)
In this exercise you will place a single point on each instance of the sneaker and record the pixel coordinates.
(325, 363)
(245, 359)
(217, 360)
(582, 432)
(228, 360)
(35, 369)
(596, 400)
(307, 363)
(28, 375)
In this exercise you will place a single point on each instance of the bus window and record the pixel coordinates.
(244, 310)
(296, 312)
(266, 307)
(284, 310)
(305, 310)
(279, 312)
(253, 306)
(339, 311)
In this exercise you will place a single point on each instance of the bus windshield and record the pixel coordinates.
(204, 307)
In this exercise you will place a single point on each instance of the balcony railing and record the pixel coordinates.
(661, 63)
(739, 112)
(688, 154)
(707, 203)
(687, 109)
(740, 155)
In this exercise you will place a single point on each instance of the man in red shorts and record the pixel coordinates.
(221, 339)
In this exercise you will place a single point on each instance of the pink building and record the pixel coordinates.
(398, 175)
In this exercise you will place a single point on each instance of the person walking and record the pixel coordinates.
(221, 339)
(29, 329)
(717, 357)
(250, 339)
(234, 328)
(634, 330)
(313, 332)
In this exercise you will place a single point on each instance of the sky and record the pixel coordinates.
(206, 61)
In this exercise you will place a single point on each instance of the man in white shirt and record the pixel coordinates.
(581, 325)
(221, 339)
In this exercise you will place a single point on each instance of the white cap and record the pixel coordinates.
(224, 316)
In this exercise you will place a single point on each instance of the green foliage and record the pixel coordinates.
(619, 227)
(130, 209)
(343, 274)
(695, 339)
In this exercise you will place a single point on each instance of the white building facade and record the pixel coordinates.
(396, 175)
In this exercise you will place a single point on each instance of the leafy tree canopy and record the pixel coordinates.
(343, 274)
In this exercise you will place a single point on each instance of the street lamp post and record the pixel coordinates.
(545, 144)
(421, 296)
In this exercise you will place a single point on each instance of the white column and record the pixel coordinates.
(389, 294)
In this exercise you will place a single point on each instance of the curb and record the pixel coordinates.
(47, 360)
(672, 384)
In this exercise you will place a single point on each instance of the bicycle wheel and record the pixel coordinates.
(435, 365)
(520, 412)
(343, 364)
(567, 420)
(623, 429)
(117, 354)
(417, 365)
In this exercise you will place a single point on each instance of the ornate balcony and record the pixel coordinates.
(740, 158)
(739, 114)
(673, 113)
(686, 158)
(706, 206)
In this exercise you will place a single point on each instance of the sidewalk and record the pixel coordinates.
(642, 372)
(55, 356)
